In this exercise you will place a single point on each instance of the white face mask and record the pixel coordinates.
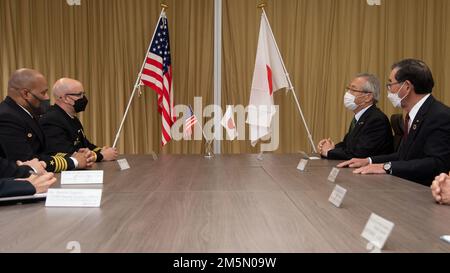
(349, 101)
(395, 99)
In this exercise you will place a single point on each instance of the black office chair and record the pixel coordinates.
(397, 127)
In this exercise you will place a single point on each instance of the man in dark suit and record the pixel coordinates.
(21, 137)
(20, 169)
(10, 187)
(425, 149)
(29, 184)
(370, 131)
(63, 129)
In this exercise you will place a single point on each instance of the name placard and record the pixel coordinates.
(446, 238)
(86, 198)
(81, 177)
(123, 164)
(337, 196)
(302, 165)
(333, 175)
(377, 230)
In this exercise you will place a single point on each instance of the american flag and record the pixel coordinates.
(157, 74)
(190, 121)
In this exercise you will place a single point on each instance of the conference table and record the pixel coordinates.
(231, 204)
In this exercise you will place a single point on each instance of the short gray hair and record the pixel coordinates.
(372, 85)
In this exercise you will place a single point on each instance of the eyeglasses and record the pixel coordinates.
(79, 95)
(389, 85)
(348, 89)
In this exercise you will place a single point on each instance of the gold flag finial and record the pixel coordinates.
(261, 6)
(164, 6)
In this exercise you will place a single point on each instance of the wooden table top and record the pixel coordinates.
(232, 203)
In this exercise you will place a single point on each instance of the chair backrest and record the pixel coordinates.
(397, 127)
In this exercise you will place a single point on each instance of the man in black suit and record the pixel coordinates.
(20, 169)
(370, 131)
(63, 129)
(29, 184)
(21, 137)
(10, 187)
(425, 149)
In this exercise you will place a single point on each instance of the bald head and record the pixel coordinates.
(25, 78)
(66, 93)
(66, 86)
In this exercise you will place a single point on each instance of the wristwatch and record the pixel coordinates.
(388, 167)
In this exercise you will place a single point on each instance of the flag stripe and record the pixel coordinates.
(155, 60)
(152, 86)
(152, 77)
(156, 70)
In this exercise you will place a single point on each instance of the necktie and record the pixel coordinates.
(406, 126)
(352, 125)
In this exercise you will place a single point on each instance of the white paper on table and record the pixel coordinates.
(377, 230)
(89, 198)
(302, 165)
(333, 175)
(123, 164)
(81, 177)
(337, 196)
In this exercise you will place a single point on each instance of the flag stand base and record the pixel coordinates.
(209, 154)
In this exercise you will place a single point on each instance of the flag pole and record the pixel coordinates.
(291, 87)
(137, 84)
(208, 141)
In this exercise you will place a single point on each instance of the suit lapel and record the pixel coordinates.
(72, 124)
(416, 125)
(27, 119)
(67, 119)
(362, 120)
